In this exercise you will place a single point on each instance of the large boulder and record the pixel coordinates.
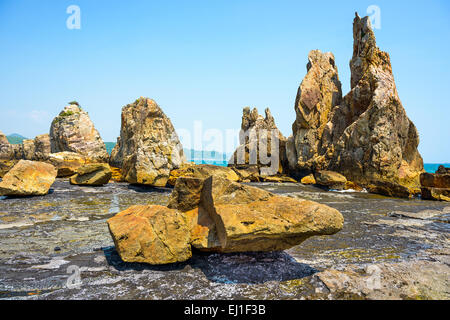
(330, 179)
(94, 174)
(3, 139)
(261, 144)
(152, 234)
(202, 171)
(231, 217)
(73, 131)
(28, 178)
(367, 136)
(148, 147)
(67, 163)
(7, 151)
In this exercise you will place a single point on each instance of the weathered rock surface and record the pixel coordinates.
(436, 186)
(330, 179)
(309, 179)
(73, 131)
(37, 149)
(261, 144)
(231, 217)
(417, 280)
(95, 174)
(152, 234)
(5, 166)
(202, 171)
(148, 147)
(3, 139)
(67, 163)
(28, 178)
(367, 136)
(319, 92)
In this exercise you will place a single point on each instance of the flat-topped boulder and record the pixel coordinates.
(73, 131)
(94, 174)
(330, 179)
(148, 147)
(202, 171)
(28, 178)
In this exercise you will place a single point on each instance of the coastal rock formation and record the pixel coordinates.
(202, 171)
(6, 165)
(37, 149)
(231, 217)
(3, 139)
(152, 234)
(95, 174)
(28, 178)
(309, 179)
(67, 163)
(261, 144)
(319, 92)
(436, 186)
(330, 179)
(148, 147)
(367, 136)
(73, 131)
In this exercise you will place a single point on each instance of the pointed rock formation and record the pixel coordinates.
(73, 131)
(319, 92)
(367, 137)
(261, 144)
(148, 147)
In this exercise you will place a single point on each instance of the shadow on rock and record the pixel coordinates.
(229, 268)
(145, 188)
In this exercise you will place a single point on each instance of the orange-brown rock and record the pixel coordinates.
(261, 144)
(202, 171)
(67, 163)
(28, 178)
(436, 186)
(365, 136)
(73, 131)
(330, 179)
(94, 174)
(148, 147)
(309, 179)
(151, 234)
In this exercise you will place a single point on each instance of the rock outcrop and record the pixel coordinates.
(365, 136)
(94, 174)
(436, 186)
(73, 131)
(152, 234)
(319, 92)
(28, 178)
(148, 147)
(261, 144)
(37, 149)
(202, 171)
(3, 139)
(7, 151)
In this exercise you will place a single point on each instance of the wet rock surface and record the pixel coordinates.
(46, 241)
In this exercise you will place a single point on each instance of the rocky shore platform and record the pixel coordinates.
(59, 247)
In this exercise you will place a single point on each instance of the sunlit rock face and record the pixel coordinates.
(367, 136)
(262, 145)
(148, 147)
(73, 131)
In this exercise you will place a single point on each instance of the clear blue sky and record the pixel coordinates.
(206, 60)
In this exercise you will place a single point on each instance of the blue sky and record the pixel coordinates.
(206, 60)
